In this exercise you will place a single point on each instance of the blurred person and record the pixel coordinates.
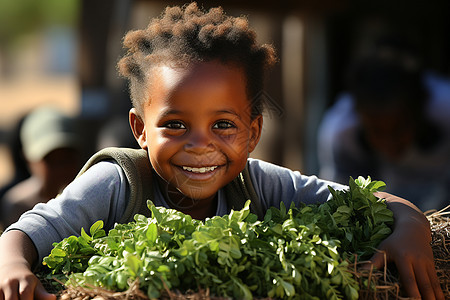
(50, 146)
(393, 125)
(18, 161)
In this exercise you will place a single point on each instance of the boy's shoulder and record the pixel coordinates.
(123, 156)
(259, 166)
(138, 171)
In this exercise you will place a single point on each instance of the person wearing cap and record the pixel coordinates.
(50, 145)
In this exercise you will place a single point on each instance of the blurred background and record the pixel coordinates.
(65, 53)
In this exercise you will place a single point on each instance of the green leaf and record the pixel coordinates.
(96, 227)
(351, 292)
(244, 290)
(85, 236)
(202, 237)
(152, 232)
(121, 280)
(57, 252)
(163, 268)
(288, 288)
(376, 186)
(133, 263)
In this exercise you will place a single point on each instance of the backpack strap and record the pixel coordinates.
(240, 190)
(137, 168)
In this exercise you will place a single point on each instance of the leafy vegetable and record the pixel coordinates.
(358, 219)
(296, 253)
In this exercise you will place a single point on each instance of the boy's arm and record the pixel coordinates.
(409, 248)
(17, 281)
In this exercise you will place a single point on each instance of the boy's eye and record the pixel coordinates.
(174, 125)
(223, 125)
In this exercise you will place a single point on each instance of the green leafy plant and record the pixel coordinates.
(296, 253)
(73, 253)
(357, 218)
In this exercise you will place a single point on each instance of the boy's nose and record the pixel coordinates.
(199, 142)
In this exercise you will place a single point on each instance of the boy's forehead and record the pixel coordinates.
(212, 68)
(215, 81)
(169, 78)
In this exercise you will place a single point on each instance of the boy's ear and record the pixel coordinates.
(138, 128)
(255, 132)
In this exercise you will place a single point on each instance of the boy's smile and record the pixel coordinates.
(197, 128)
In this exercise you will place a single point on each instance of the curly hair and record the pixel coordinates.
(184, 35)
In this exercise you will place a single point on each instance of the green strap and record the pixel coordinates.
(240, 190)
(138, 171)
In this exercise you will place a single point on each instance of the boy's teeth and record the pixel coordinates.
(199, 170)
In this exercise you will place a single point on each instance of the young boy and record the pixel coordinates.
(194, 79)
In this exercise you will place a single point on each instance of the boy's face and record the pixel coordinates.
(197, 127)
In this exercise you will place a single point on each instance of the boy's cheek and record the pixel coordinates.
(228, 139)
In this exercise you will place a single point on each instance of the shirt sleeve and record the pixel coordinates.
(98, 194)
(275, 184)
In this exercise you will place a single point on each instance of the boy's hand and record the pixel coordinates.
(18, 282)
(414, 262)
(409, 248)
